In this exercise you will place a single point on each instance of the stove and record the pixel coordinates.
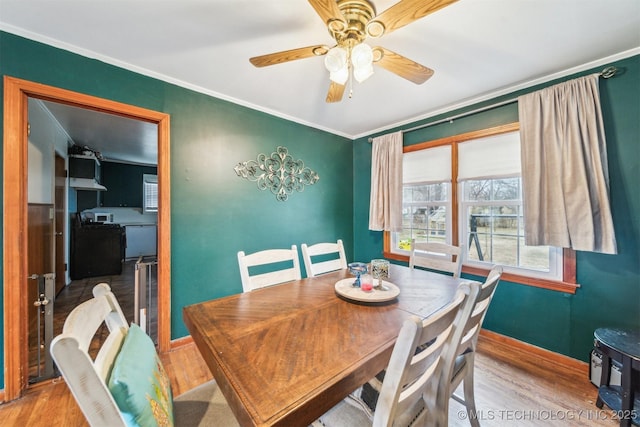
(97, 249)
(101, 225)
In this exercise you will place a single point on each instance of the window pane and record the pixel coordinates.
(403, 241)
(439, 192)
(506, 189)
(430, 224)
(420, 219)
(505, 250)
(495, 232)
(479, 233)
(505, 219)
(534, 257)
(407, 194)
(420, 193)
(479, 246)
(424, 214)
(425, 193)
(406, 217)
(477, 190)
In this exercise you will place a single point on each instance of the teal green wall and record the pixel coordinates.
(214, 213)
(610, 284)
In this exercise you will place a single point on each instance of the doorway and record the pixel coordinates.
(59, 201)
(16, 95)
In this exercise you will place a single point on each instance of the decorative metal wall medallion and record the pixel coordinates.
(279, 173)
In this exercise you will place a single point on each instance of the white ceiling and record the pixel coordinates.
(115, 138)
(479, 49)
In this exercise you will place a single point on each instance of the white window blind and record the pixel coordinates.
(422, 166)
(497, 155)
(150, 192)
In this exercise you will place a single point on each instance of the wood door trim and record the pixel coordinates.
(16, 94)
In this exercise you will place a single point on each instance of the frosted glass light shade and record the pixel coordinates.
(362, 56)
(340, 76)
(362, 60)
(362, 73)
(336, 59)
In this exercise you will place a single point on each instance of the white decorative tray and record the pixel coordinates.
(346, 289)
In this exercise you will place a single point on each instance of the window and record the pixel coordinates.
(150, 193)
(466, 190)
(492, 229)
(425, 209)
(426, 200)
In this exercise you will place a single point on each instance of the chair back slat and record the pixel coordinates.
(474, 324)
(321, 267)
(436, 256)
(85, 319)
(266, 257)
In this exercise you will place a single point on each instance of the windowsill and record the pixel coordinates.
(554, 285)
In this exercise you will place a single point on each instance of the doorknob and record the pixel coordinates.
(33, 277)
(59, 233)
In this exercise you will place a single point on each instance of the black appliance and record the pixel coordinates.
(97, 249)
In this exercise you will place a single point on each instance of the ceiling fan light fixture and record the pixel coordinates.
(336, 59)
(341, 76)
(362, 73)
(362, 60)
(362, 56)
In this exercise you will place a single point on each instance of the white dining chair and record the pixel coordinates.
(125, 383)
(436, 256)
(335, 250)
(462, 369)
(458, 363)
(284, 266)
(411, 392)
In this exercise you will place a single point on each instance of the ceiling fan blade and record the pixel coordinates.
(289, 55)
(403, 13)
(402, 66)
(329, 12)
(336, 90)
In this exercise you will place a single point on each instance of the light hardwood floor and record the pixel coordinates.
(514, 387)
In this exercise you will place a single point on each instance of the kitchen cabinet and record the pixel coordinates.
(84, 177)
(141, 240)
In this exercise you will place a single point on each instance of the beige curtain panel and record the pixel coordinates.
(385, 209)
(565, 177)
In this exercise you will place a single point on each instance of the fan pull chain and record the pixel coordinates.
(350, 80)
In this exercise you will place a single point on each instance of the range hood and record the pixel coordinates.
(86, 184)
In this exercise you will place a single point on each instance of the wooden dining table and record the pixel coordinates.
(285, 354)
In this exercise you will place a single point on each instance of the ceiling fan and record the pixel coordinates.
(350, 22)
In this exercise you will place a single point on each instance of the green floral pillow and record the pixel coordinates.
(139, 383)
